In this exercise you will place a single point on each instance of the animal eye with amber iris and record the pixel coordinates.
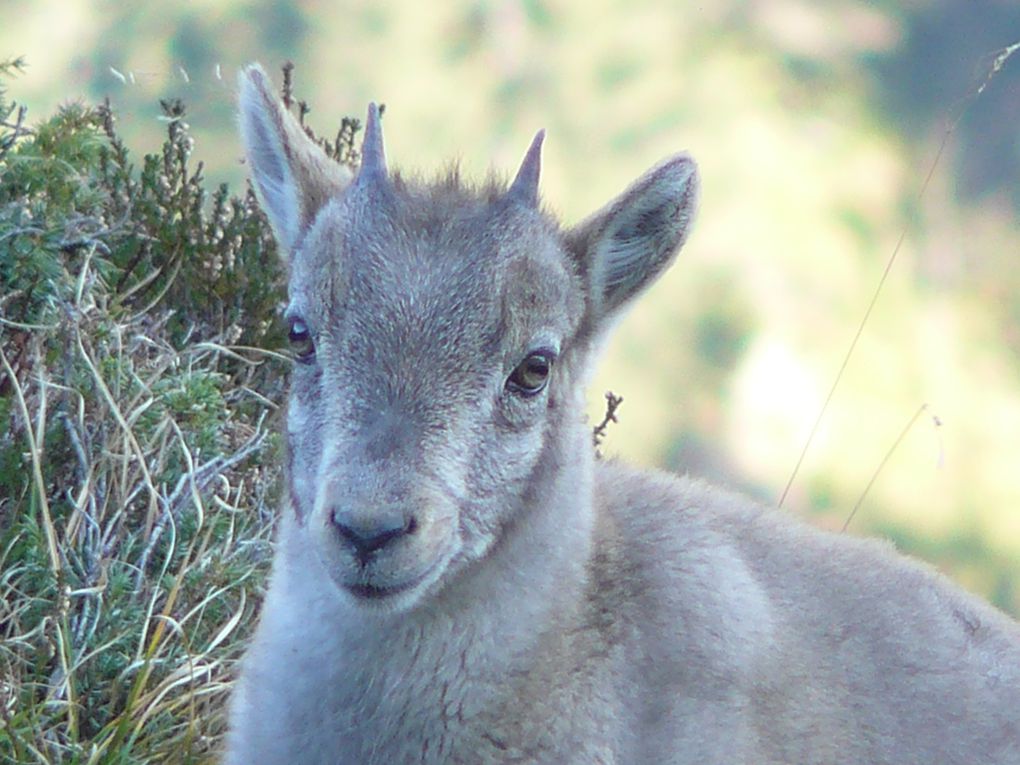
(531, 375)
(300, 338)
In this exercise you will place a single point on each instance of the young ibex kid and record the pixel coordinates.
(457, 580)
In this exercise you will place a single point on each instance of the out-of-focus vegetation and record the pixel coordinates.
(132, 300)
(138, 474)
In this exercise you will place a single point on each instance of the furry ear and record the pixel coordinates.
(626, 245)
(293, 176)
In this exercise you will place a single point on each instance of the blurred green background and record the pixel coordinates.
(814, 124)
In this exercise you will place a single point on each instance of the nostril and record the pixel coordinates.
(366, 542)
(367, 537)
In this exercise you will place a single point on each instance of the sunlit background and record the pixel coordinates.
(815, 125)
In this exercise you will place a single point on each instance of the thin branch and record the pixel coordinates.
(885, 459)
(994, 69)
(599, 432)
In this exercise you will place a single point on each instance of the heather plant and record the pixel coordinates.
(138, 466)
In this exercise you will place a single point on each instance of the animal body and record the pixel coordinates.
(458, 580)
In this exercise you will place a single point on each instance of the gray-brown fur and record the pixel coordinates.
(554, 609)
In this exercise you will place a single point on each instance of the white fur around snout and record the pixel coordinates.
(409, 567)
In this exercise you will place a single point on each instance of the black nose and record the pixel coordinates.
(366, 536)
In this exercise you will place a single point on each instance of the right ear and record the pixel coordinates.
(293, 176)
(626, 245)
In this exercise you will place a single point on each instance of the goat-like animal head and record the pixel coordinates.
(441, 336)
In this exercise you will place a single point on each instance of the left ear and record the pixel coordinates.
(630, 242)
(292, 175)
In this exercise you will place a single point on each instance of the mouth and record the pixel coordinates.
(368, 591)
(375, 592)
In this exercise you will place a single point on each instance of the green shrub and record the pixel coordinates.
(138, 469)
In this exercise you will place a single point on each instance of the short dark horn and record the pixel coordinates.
(524, 189)
(373, 155)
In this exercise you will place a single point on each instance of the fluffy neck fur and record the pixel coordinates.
(447, 672)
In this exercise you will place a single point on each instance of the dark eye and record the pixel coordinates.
(531, 375)
(301, 342)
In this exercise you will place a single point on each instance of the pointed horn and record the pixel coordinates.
(373, 155)
(525, 185)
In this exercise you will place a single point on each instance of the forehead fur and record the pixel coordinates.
(432, 251)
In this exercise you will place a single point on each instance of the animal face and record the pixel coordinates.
(432, 329)
(440, 334)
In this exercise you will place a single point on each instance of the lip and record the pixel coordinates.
(372, 592)
(365, 591)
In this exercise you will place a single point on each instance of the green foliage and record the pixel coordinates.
(11, 117)
(71, 199)
(137, 476)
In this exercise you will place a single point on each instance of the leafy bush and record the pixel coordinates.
(138, 465)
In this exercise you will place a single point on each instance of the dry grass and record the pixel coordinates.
(138, 455)
(132, 559)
